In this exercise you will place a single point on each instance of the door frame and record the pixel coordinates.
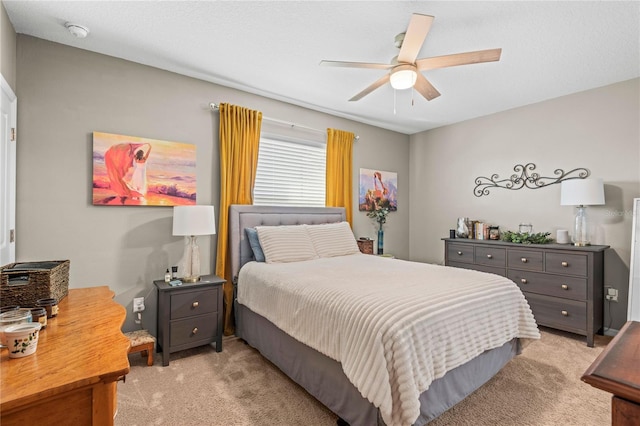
(8, 178)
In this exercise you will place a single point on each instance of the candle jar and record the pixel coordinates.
(494, 232)
(39, 315)
(51, 305)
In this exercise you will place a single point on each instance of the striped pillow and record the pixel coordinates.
(333, 239)
(287, 243)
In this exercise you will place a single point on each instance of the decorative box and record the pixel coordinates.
(24, 283)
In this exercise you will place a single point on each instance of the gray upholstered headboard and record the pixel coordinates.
(247, 216)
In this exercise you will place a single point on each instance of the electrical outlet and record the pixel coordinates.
(612, 294)
(138, 304)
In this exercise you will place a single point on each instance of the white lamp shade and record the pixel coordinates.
(403, 77)
(582, 192)
(193, 220)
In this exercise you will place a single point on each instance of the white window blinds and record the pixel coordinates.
(290, 172)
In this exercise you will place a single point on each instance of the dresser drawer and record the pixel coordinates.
(193, 303)
(481, 268)
(190, 330)
(525, 259)
(569, 315)
(571, 264)
(551, 285)
(460, 253)
(490, 256)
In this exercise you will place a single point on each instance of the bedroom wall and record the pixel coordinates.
(598, 129)
(67, 93)
(7, 48)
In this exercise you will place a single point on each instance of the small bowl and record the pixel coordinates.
(22, 339)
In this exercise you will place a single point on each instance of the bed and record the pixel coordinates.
(403, 383)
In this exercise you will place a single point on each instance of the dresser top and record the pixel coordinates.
(570, 247)
(82, 346)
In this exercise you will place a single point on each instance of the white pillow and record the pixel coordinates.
(287, 243)
(333, 239)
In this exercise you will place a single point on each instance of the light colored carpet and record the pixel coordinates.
(239, 387)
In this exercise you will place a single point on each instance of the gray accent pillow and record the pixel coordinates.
(254, 242)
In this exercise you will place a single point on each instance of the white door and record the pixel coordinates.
(633, 313)
(8, 114)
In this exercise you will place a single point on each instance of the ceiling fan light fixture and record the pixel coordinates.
(403, 77)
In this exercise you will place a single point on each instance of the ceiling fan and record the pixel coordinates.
(405, 69)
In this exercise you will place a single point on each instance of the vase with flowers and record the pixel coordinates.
(379, 215)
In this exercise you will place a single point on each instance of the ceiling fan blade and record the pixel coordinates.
(425, 88)
(416, 32)
(383, 80)
(479, 56)
(356, 65)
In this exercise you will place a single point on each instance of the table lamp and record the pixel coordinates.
(581, 193)
(192, 221)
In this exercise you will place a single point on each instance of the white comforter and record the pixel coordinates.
(395, 326)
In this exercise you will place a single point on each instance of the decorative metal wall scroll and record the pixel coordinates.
(526, 178)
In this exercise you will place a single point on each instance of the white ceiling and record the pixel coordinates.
(549, 49)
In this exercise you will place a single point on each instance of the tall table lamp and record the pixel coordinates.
(192, 221)
(581, 193)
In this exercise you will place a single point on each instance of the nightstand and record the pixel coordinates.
(189, 315)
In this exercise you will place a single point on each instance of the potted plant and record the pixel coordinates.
(379, 215)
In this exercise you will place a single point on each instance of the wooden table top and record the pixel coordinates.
(617, 369)
(81, 346)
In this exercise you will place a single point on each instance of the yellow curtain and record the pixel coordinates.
(339, 169)
(239, 141)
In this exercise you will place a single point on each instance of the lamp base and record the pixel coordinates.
(194, 279)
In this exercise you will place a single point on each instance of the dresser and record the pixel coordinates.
(617, 370)
(189, 315)
(563, 284)
(72, 377)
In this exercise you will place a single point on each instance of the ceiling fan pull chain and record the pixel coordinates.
(394, 101)
(413, 92)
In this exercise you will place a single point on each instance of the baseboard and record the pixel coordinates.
(610, 332)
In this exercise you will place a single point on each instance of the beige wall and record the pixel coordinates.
(66, 93)
(597, 129)
(7, 49)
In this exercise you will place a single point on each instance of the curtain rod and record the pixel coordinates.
(216, 107)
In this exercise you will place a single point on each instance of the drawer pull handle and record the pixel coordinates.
(523, 280)
(195, 304)
(195, 330)
(459, 253)
(489, 256)
(565, 287)
(565, 313)
(565, 264)
(524, 260)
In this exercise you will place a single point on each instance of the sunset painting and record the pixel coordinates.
(135, 171)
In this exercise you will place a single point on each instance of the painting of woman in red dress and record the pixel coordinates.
(126, 173)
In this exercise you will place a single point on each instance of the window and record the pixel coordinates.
(291, 172)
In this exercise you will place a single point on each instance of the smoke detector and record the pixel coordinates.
(76, 30)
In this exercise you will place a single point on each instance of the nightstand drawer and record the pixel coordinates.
(551, 285)
(524, 259)
(561, 263)
(190, 330)
(193, 303)
(565, 314)
(460, 253)
(490, 256)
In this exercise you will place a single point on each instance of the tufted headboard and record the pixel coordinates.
(247, 216)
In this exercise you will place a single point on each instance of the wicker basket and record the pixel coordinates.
(366, 246)
(24, 283)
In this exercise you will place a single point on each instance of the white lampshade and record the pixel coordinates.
(582, 192)
(193, 220)
(403, 77)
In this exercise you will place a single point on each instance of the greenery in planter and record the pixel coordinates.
(526, 238)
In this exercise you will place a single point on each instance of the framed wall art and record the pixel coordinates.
(378, 189)
(136, 171)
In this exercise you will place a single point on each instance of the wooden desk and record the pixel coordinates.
(71, 379)
(617, 370)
